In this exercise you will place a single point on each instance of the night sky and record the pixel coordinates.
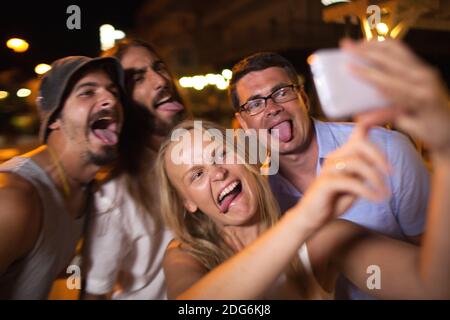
(43, 25)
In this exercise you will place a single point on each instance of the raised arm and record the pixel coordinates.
(421, 108)
(405, 271)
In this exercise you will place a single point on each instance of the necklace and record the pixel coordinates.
(61, 173)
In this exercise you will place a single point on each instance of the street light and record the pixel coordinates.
(109, 35)
(382, 29)
(42, 68)
(4, 94)
(227, 74)
(199, 82)
(17, 45)
(23, 93)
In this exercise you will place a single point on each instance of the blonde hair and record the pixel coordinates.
(197, 233)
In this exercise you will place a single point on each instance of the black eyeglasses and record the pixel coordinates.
(281, 95)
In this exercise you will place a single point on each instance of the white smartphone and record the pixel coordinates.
(341, 93)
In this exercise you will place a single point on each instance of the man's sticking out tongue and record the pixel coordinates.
(170, 106)
(282, 131)
(107, 135)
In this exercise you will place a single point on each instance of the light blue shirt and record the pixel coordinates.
(402, 215)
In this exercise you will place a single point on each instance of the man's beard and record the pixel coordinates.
(107, 156)
(162, 128)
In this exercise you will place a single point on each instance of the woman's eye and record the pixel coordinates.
(196, 175)
(222, 154)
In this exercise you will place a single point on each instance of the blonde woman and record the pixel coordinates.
(231, 243)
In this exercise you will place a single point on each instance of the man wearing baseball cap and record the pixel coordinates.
(44, 193)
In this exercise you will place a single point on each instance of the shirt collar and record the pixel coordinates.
(326, 141)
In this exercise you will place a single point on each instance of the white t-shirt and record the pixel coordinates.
(123, 250)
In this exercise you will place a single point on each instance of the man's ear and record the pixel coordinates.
(190, 206)
(241, 120)
(55, 124)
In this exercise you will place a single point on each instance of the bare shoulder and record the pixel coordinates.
(20, 216)
(17, 195)
(181, 269)
(177, 254)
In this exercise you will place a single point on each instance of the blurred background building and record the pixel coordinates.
(200, 41)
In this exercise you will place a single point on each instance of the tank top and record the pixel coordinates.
(32, 276)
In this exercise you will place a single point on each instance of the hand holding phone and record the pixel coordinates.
(341, 93)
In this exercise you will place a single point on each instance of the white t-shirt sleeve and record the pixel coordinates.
(106, 243)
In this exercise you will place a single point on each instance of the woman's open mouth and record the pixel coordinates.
(105, 130)
(227, 195)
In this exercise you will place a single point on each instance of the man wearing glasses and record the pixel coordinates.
(266, 94)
